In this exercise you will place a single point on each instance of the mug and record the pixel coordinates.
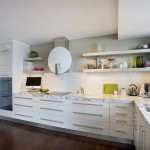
(115, 92)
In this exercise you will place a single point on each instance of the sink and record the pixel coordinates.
(59, 93)
(147, 107)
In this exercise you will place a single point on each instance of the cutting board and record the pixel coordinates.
(110, 88)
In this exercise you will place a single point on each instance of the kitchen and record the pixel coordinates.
(78, 76)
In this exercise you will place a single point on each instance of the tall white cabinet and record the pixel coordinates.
(12, 54)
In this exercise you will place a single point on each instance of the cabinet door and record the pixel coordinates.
(5, 58)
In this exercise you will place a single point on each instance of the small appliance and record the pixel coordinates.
(132, 90)
(145, 90)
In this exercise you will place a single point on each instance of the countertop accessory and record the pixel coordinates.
(110, 88)
(132, 90)
(125, 64)
(123, 92)
(145, 90)
(115, 92)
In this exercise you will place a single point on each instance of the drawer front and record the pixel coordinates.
(121, 113)
(91, 104)
(121, 120)
(52, 101)
(121, 106)
(53, 120)
(53, 109)
(24, 115)
(25, 104)
(121, 131)
(97, 127)
(89, 113)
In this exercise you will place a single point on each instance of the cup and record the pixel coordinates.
(115, 92)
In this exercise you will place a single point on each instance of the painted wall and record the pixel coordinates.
(93, 82)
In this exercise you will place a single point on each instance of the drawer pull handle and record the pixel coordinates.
(121, 114)
(87, 104)
(51, 120)
(87, 114)
(24, 98)
(3, 75)
(121, 107)
(121, 121)
(45, 100)
(4, 51)
(24, 105)
(119, 131)
(51, 109)
(78, 125)
(23, 115)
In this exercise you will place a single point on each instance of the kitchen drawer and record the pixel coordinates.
(121, 131)
(121, 106)
(89, 113)
(121, 120)
(25, 104)
(52, 100)
(24, 115)
(121, 113)
(53, 109)
(96, 127)
(87, 103)
(53, 120)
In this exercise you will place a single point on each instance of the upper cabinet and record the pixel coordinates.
(133, 19)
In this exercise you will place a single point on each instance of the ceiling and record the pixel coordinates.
(40, 21)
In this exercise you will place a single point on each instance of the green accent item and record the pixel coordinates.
(110, 88)
(33, 54)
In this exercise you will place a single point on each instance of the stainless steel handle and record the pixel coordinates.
(4, 51)
(24, 105)
(24, 98)
(121, 121)
(4, 75)
(120, 131)
(51, 120)
(51, 109)
(45, 100)
(23, 115)
(78, 125)
(121, 114)
(121, 107)
(80, 113)
(143, 139)
(87, 104)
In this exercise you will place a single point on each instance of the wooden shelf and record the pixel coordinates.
(34, 59)
(110, 53)
(117, 70)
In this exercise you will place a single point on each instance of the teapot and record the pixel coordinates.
(132, 90)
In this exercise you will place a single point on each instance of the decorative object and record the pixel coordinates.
(33, 54)
(110, 88)
(91, 66)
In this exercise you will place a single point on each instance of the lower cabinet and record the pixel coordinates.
(93, 116)
(141, 131)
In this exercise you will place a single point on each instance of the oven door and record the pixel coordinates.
(6, 93)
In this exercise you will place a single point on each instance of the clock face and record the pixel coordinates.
(59, 60)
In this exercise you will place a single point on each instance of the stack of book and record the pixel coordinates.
(147, 64)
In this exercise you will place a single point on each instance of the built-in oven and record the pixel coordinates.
(6, 93)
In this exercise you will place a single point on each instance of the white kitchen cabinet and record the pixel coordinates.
(121, 120)
(141, 131)
(24, 108)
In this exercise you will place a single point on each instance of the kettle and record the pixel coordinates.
(132, 90)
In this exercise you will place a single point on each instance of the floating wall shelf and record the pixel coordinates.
(124, 52)
(34, 59)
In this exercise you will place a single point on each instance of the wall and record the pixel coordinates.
(93, 82)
